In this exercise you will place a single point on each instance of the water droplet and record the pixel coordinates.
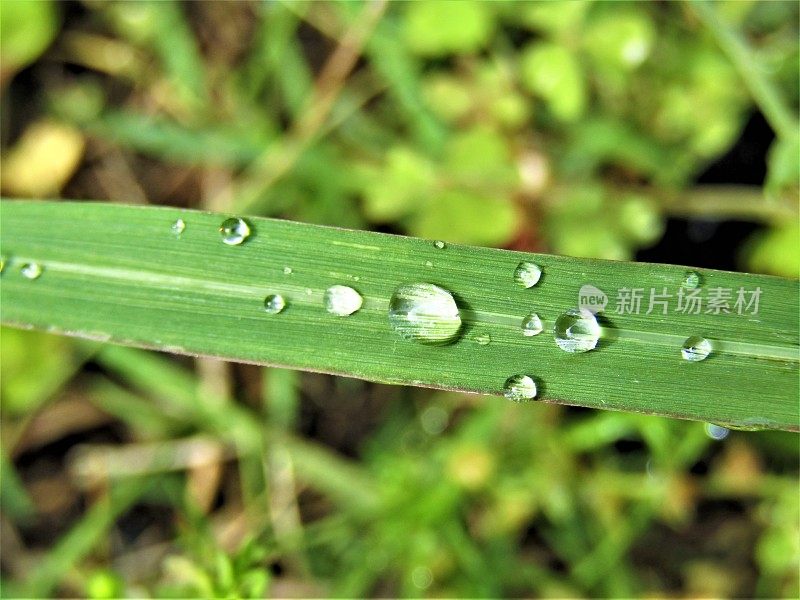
(716, 432)
(287, 270)
(577, 330)
(527, 274)
(178, 226)
(234, 231)
(31, 270)
(532, 325)
(428, 263)
(274, 303)
(439, 245)
(424, 313)
(342, 300)
(696, 348)
(519, 388)
(483, 339)
(692, 280)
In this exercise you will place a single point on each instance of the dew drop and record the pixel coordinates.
(532, 325)
(483, 339)
(287, 270)
(716, 432)
(527, 274)
(31, 270)
(178, 226)
(692, 280)
(576, 330)
(341, 300)
(424, 313)
(439, 245)
(696, 348)
(274, 303)
(234, 231)
(519, 388)
(428, 263)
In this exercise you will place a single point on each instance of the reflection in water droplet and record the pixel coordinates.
(287, 270)
(527, 274)
(716, 432)
(31, 270)
(178, 226)
(425, 313)
(341, 300)
(696, 348)
(531, 325)
(484, 339)
(439, 245)
(519, 388)
(576, 330)
(274, 303)
(234, 231)
(692, 280)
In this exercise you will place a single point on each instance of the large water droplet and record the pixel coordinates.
(577, 330)
(716, 432)
(527, 274)
(439, 245)
(425, 313)
(31, 270)
(531, 325)
(234, 231)
(692, 280)
(178, 226)
(483, 339)
(519, 388)
(696, 348)
(274, 303)
(341, 300)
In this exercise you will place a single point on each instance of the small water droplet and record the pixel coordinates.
(519, 388)
(696, 348)
(532, 325)
(287, 270)
(428, 263)
(234, 231)
(274, 303)
(342, 300)
(178, 226)
(716, 432)
(31, 270)
(527, 274)
(692, 280)
(424, 313)
(439, 245)
(577, 330)
(483, 339)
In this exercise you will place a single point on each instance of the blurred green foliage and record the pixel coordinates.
(559, 126)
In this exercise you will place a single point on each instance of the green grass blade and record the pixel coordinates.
(118, 273)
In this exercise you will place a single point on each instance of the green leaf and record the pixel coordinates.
(552, 72)
(26, 29)
(775, 251)
(438, 28)
(121, 274)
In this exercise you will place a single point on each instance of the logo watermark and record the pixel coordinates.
(663, 301)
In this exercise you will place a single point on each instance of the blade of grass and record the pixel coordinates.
(119, 273)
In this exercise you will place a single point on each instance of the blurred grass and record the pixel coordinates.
(320, 487)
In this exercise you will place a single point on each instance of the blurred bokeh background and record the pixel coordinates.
(659, 131)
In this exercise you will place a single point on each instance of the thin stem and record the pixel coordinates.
(763, 91)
